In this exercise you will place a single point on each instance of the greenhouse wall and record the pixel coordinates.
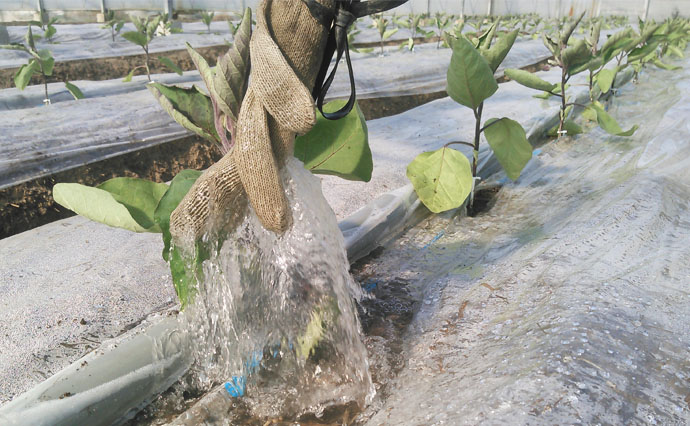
(658, 9)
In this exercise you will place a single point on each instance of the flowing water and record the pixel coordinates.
(275, 314)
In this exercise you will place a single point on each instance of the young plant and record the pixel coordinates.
(40, 64)
(147, 29)
(441, 22)
(381, 24)
(46, 25)
(113, 23)
(207, 18)
(572, 57)
(444, 178)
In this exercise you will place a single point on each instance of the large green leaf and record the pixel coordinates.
(171, 199)
(530, 80)
(608, 123)
(23, 75)
(136, 37)
(190, 107)
(605, 79)
(95, 204)
(470, 79)
(662, 65)
(509, 142)
(441, 178)
(497, 53)
(337, 147)
(139, 196)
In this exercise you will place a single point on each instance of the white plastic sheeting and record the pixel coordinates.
(129, 121)
(568, 302)
(85, 41)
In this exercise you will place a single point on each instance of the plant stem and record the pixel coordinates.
(148, 71)
(477, 134)
(591, 81)
(563, 106)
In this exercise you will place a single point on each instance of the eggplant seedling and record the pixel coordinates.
(207, 18)
(572, 57)
(46, 25)
(113, 23)
(147, 29)
(381, 24)
(444, 178)
(441, 21)
(40, 64)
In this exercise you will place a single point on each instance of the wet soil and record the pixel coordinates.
(30, 204)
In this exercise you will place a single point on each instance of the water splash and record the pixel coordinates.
(276, 313)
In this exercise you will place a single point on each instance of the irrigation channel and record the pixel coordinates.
(564, 300)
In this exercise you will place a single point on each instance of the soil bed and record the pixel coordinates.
(31, 204)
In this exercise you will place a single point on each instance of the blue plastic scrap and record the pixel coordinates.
(237, 386)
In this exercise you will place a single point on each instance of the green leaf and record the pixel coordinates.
(95, 204)
(232, 71)
(576, 55)
(676, 51)
(509, 142)
(129, 76)
(609, 124)
(568, 30)
(170, 64)
(441, 178)
(50, 32)
(187, 271)
(664, 66)
(389, 33)
(530, 80)
(497, 53)
(139, 196)
(47, 61)
(337, 147)
(571, 128)
(74, 90)
(168, 203)
(470, 79)
(14, 46)
(136, 37)
(487, 38)
(23, 75)
(190, 107)
(605, 79)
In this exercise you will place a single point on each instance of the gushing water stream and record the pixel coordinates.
(275, 314)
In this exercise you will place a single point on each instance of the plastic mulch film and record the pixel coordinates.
(568, 301)
(45, 140)
(84, 41)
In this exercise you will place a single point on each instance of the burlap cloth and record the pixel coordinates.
(286, 50)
